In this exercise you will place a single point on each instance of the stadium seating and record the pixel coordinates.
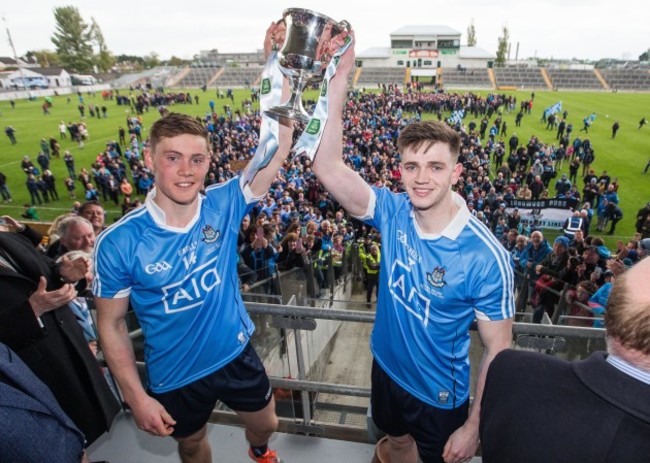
(370, 77)
(467, 78)
(574, 79)
(627, 79)
(158, 74)
(238, 77)
(520, 78)
(197, 77)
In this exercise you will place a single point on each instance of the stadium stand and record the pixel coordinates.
(238, 77)
(133, 79)
(520, 78)
(466, 78)
(627, 79)
(162, 74)
(197, 77)
(574, 79)
(373, 76)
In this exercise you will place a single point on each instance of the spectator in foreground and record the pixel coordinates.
(538, 408)
(27, 435)
(94, 212)
(75, 234)
(37, 323)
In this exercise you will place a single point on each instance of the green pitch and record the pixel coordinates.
(625, 157)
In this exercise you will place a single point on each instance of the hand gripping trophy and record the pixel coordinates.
(305, 55)
(312, 46)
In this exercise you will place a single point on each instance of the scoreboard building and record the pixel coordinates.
(422, 47)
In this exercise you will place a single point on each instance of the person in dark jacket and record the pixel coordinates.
(36, 323)
(33, 427)
(538, 409)
(614, 215)
(292, 254)
(549, 284)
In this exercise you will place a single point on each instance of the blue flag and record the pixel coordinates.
(456, 117)
(556, 108)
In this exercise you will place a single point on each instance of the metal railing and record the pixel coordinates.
(287, 324)
(559, 312)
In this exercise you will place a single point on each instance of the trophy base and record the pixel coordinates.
(289, 112)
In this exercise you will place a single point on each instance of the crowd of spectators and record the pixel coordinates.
(299, 224)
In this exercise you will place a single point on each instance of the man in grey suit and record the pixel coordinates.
(33, 427)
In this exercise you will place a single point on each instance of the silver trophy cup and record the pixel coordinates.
(304, 56)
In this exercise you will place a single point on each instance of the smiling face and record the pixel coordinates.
(80, 236)
(94, 213)
(180, 165)
(428, 174)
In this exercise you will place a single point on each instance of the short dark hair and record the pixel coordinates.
(173, 125)
(86, 205)
(427, 134)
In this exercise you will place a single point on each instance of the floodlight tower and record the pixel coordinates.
(11, 44)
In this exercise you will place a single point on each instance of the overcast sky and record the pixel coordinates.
(544, 28)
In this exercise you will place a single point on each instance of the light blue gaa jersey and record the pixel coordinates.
(431, 288)
(182, 283)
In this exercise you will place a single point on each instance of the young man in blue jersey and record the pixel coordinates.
(175, 261)
(440, 269)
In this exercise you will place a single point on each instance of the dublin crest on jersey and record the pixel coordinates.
(210, 235)
(437, 277)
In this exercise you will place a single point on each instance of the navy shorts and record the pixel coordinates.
(242, 385)
(397, 412)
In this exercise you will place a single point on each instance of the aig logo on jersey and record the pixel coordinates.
(402, 287)
(192, 290)
(158, 267)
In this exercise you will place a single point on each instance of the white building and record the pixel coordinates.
(22, 78)
(426, 47)
(58, 77)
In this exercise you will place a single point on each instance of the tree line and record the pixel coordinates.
(80, 47)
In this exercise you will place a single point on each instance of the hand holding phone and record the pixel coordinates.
(299, 247)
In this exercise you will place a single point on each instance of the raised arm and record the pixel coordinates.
(262, 181)
(496, 336)
(346, 185)
(149, 414)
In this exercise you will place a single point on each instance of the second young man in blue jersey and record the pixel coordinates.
(440, 269)
(175, 261)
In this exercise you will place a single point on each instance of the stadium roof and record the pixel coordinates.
(475, 52)
(49, 71)
(8, 61)
(425, 30)
(375, 52)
